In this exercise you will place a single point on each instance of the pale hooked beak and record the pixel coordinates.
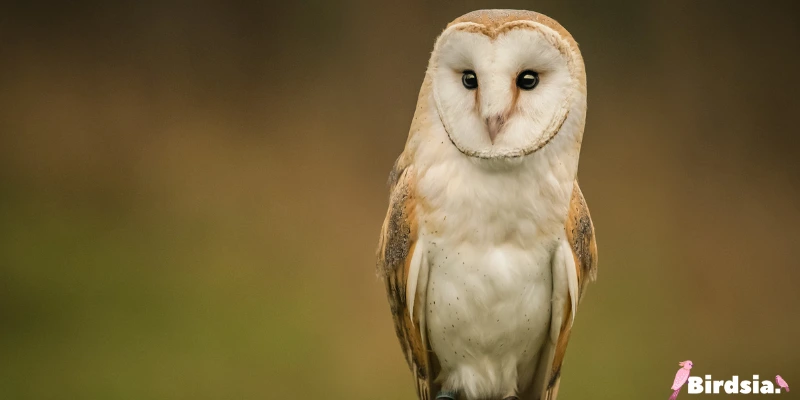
(495, 124)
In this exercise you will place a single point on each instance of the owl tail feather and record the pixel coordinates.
(674, 394)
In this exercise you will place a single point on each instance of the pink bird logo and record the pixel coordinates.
(782, 383)
(680, 378)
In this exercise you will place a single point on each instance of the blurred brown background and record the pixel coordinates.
(191, 193)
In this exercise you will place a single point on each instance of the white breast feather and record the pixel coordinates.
(488, 236)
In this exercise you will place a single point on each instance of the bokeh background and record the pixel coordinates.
(191, 194)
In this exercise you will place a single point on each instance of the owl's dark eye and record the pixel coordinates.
(469, 79)
(527, 80)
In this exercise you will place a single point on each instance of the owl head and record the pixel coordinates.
(504, 82)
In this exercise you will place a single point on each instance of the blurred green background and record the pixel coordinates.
(191, 194)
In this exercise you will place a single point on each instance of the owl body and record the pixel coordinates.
(489, 233)
(488, 319)
(488, 242)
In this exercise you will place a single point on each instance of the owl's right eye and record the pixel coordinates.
(469, 79)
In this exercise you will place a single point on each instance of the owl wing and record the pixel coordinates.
(402, 265)
(574, 266)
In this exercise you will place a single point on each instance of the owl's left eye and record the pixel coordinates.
(469, 79)
(527, 80)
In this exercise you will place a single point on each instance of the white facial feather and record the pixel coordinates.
(530, 117)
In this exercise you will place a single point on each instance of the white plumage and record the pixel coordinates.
(489, 242)
(475, 242)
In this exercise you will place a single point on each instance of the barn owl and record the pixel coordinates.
(488, 245)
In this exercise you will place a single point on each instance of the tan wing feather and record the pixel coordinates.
(580, 235)
(397, 243)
